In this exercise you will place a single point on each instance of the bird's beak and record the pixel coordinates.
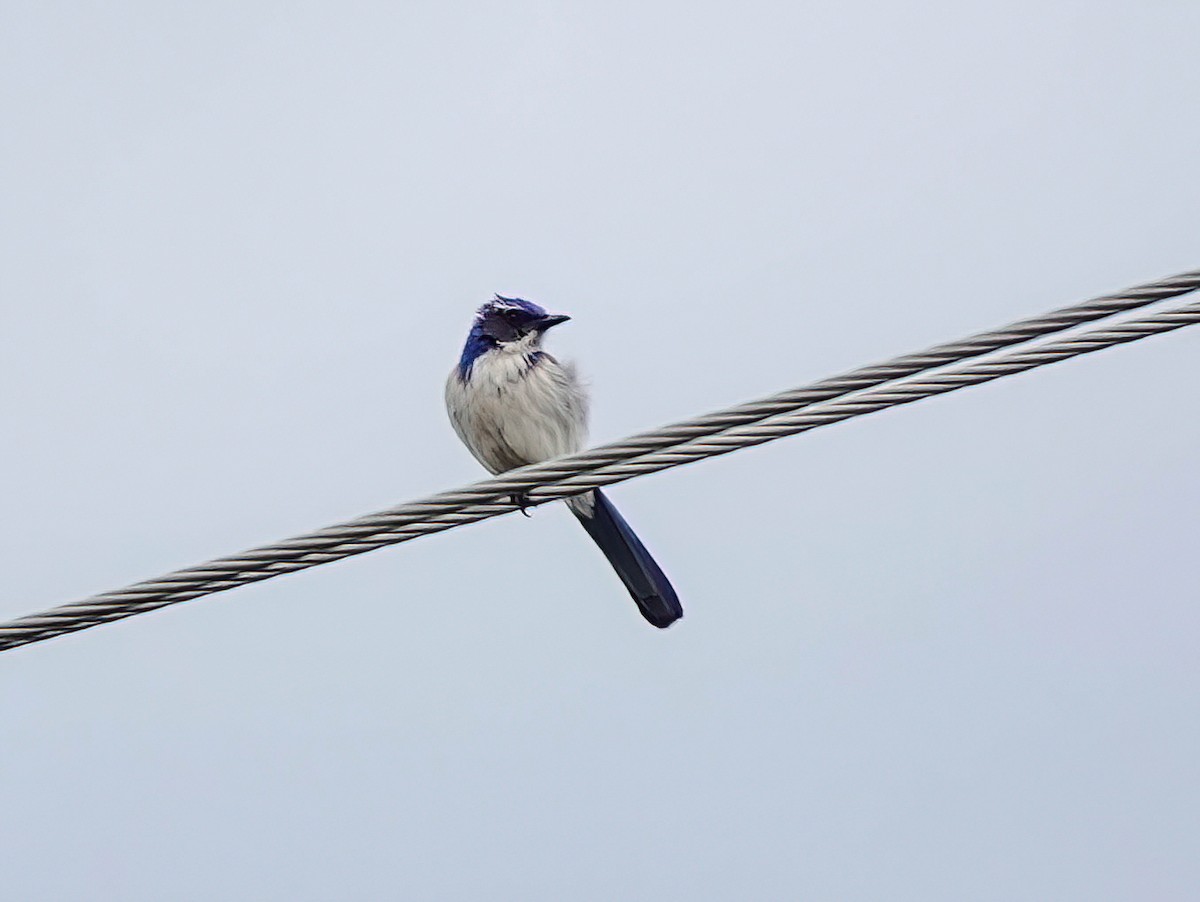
(550, 319)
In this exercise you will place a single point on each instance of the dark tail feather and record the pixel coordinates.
(649, 586)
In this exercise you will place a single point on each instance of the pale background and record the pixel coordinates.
(947, 652)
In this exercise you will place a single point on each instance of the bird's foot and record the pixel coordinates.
(523, 502)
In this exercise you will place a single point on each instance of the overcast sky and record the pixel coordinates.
(946, 652)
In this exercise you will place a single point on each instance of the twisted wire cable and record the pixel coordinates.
(719, 433)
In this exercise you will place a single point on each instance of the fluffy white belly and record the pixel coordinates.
(514, 409)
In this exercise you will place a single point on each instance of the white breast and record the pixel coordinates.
(517, 406)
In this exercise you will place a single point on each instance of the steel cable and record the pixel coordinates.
(745, 425)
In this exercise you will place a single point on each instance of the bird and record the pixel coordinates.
(513, 404)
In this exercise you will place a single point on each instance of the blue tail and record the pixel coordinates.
(649, 586)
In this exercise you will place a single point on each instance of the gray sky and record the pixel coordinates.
(946, 652)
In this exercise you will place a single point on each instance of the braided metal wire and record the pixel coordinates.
(748, 424)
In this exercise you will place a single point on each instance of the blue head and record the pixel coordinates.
(506, 321)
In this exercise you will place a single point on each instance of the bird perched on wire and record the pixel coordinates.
(513, 404)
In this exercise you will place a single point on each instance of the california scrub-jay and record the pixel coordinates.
(513, 404)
